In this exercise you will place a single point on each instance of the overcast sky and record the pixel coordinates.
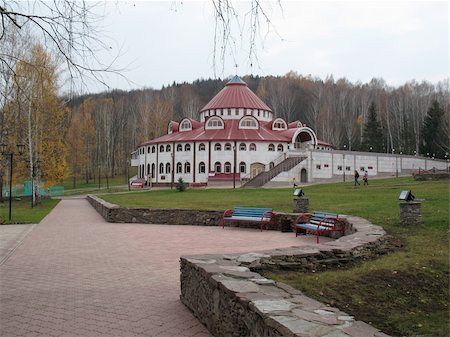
(162, 42)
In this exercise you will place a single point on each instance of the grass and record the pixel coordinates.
(22, 213)
(117, 183)
(402, 293)
(119, 180)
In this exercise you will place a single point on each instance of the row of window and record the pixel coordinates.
(347, 168)
(186, 168)
(217, 147)
(228, 112)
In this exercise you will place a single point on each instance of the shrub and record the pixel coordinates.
(181, 185)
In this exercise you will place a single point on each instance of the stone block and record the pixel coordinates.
(410, 213)
(300, 205)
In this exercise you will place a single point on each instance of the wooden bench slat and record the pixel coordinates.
(255, 214)
(319, 222)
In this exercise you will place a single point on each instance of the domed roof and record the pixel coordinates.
(236, 94)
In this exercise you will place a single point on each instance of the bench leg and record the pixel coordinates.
(318, 234)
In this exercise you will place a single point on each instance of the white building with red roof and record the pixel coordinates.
(239, 141)
(236, 139)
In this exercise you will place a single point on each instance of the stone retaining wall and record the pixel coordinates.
(115, 213)
(432, 176)
(195, 217)
(226, 293)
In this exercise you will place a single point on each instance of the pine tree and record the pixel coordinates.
(372, 134)
(433, 134)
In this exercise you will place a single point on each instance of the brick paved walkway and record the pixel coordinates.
(76, 275)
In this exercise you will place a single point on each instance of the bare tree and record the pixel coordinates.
(68, 28)
(230, 24)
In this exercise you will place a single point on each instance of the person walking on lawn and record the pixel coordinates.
(366, 178)
(356, 178)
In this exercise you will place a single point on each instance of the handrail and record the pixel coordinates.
(265, 176)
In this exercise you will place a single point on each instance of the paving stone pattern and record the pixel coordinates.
(10, 237)
(77, 275)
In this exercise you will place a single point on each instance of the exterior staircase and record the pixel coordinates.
(266, 176)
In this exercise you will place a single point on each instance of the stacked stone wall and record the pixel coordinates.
(432, 176)
(195, 217)
(229, 296)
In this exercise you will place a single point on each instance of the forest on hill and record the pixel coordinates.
(81, 136)
(105, 128)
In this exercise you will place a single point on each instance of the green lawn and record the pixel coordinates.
(22, 213)
(81, 183)
(403, 293)
(117, 183)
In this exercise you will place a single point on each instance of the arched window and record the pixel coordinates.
(153, 149)
(201, 147)
(217, 147)
(187, 147)
(161, 148)
(148, 169)
(252, 147)
(179, 147)
(271, 147)
(227, 167)
(148, 149)
(227, 147)
(279, 124)
(242, 147)
(248, 123)
(187, 167)
(179, 168)
(217, 167)
(161, 168)
(186, 125)
(242, 167)
(280, 147)
(153, 169)
(168, 168)
(201, 167)
(168, 148)
(214, 123)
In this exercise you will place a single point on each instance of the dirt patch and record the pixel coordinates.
(410, 302)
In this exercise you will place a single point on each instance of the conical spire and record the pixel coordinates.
(236, 94)
(236, 80)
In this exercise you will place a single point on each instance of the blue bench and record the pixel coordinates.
(244, 214)
(318, 222)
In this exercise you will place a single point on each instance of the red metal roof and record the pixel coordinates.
(236, 94)
(230, 132)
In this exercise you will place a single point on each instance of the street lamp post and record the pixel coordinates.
(343, 160)
(234, 165)
(396, 165)
(4, 149)
(128, 173)
(99, 178)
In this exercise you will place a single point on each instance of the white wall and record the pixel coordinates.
(374, 163)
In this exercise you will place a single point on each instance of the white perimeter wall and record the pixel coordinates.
(331, 164)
